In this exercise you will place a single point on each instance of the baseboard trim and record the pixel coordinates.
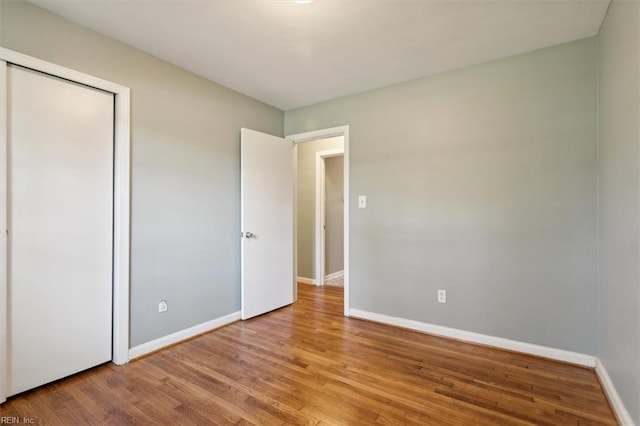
(468, 336)
(304, 280)
(624, 418)
(173, 338)
(333, 275)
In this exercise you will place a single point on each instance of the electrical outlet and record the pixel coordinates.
(162, 306)
(362, 201)
(442, 296)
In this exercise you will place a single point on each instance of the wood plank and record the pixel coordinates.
(308, 364)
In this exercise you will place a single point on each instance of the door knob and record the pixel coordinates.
(249, 235)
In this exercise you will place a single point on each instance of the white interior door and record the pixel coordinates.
(266, 222)
(60, 206)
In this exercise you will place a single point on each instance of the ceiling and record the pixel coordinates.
(289, 54)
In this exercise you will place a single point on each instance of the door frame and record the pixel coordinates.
(121, 201)
(320, 237)
(323, 134)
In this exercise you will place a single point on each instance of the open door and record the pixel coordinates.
(266, 210)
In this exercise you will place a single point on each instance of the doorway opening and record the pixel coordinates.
(321, 210)
(329, 217)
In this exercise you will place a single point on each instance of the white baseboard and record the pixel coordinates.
(624, 418)
(333, 275)
(468, 336)
(304, 280)
(179, 336)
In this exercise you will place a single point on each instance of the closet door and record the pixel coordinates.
(60, 218)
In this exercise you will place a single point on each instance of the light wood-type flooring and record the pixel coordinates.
(307, 364)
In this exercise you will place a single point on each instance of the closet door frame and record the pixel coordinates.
(121, 201)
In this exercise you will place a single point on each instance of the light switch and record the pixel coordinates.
(362, 201)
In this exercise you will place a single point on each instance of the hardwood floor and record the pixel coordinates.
(307, 364)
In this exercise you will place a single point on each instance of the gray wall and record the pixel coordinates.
(306, 201)
(619, 186)
(334, 214)
(480, 181)
(185, 169)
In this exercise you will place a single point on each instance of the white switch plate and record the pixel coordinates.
(162, 306)
(362, 201)
(442, 296)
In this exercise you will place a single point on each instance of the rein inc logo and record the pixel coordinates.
(5, 420)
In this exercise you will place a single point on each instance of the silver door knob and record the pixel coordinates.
(249, 235)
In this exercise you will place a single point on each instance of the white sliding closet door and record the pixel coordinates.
(60, 219)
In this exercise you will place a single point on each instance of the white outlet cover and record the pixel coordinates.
(442, 296)
(162, 306)
(362, 201)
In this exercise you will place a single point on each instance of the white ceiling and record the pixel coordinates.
(289, 54)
